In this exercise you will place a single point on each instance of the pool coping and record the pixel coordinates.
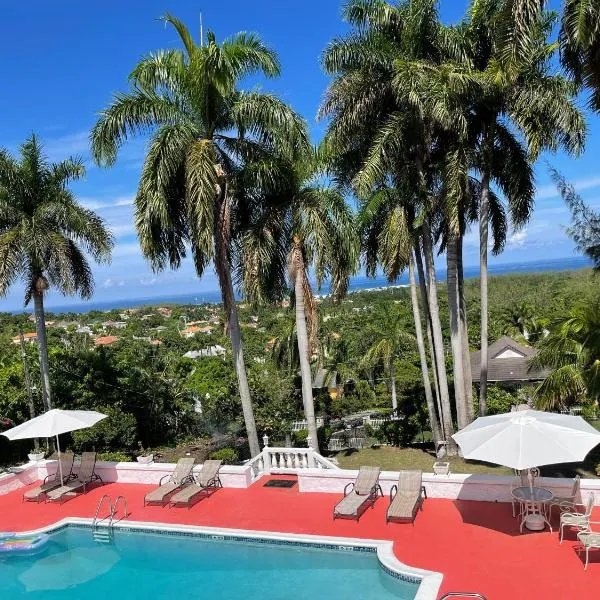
(429, 581)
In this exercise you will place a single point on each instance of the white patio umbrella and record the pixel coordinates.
(526, 439)
(52, 424)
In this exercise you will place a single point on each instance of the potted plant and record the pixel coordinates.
(35, 456)
(144, 457)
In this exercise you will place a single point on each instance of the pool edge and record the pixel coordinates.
(429, 581)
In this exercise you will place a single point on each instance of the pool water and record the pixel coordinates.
(154, 566)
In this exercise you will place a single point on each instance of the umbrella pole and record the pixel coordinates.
(62, 482)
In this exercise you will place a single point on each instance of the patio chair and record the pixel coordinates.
(359, 494)
(205, 481)
(84, 478)
(590, 540)
(180, 476)
(579, 520)
(568, 500)
(407, 497)
(51, 482)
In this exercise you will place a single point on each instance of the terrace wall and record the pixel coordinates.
(231, 476)
(490, 488)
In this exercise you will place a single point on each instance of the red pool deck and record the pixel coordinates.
(476, 545)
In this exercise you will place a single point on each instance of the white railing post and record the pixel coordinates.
(266, 461)
(310, 459)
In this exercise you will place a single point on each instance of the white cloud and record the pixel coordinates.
(103, 203)
(62, 147)
(108, 283)
(132, 249)
(148, 281)
(517, 239)
(122, 230)
(545, 192)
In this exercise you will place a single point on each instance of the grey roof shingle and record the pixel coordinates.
(508, 368)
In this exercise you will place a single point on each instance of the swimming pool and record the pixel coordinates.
(152, 565)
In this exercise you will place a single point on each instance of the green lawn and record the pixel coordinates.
(394, 459)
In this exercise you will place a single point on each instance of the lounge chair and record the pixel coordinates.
(574, 518)
(205, 481)
(359, 494)
(85, 477)
(51, 482)
(180, 476)
(407, 497)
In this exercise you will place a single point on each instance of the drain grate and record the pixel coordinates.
(280, 483)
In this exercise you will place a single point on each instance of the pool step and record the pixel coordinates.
(103, 535)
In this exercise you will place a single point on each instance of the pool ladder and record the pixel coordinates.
(105, 534)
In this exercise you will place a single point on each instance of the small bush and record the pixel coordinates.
(299, 437)
(228, 456)
(114, 457)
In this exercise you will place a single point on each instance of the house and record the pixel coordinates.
(27, 337)
(189, 332)
(164, 311)
(106, 340)
(114, 324)
(508, 363)
(155, 342)
(160, 328)
(211, 351)
(84, 329)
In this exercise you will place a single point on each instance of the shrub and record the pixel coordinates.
(397, 433)
(114, 457)
(300, 437)
(118, 431)
(228, 456)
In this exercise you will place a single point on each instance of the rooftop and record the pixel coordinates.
(508, 360)
(476, 545)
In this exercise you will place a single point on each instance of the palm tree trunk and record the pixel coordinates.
(425, 305)
(393, 386)
(36, 441)
(455, 330)
(464, 332)
(438, 341)
(484, 215)
(222, 238)
(40, 327)
(303, 351)
(433, 419)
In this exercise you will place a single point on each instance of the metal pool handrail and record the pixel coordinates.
(100, 504)
(115, 508)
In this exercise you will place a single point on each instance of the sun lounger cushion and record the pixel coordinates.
(349, 505)
(160, 493)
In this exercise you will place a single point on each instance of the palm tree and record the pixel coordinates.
(379, 126)
(310, 225)
(203, 130)
(517, 92)
(45, 235)
(388, 237)
(391, 339)
(572, 351)
(580, 45)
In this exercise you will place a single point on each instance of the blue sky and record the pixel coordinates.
(63, 61)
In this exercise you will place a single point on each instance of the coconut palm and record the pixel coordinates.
(203, 130)
(45, 235)
(308, 225)
(572, 351)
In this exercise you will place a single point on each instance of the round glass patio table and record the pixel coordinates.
(534, 501)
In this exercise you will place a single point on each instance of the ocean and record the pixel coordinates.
(360, 282)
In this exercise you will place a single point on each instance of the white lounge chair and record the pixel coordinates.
(574, 518)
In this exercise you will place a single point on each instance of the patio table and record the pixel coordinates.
(534, 501)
